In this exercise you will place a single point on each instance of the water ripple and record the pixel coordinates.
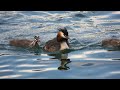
(85, 59)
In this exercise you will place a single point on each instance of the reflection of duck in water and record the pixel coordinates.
(64, 61)
(58, 43)
(25, 43)
(63, 58)
(63, 65)
(115, 43)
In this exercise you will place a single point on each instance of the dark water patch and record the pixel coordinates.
(2, 22)
(117, 59)
(76, 26)
(80, 15)
(114, 30)
(111, 48)
(2, 54)
(88, 64)
(2, 46)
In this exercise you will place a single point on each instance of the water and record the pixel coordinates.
(85, 60)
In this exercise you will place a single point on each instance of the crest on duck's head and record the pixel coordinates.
(37, 38)
(64, 30)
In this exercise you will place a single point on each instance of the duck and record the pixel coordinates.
(60, 42)
(115, 43)
(25, 42)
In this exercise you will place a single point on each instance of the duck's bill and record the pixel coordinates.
(67, 37)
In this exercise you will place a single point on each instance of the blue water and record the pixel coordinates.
(86, 59)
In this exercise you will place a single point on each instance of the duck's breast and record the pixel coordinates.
(64, 45)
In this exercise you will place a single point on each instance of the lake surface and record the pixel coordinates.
(86, 59)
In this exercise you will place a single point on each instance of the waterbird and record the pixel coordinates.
(25, 42)
(60, 42)
(111, 43)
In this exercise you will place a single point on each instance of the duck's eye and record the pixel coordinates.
(65, 35)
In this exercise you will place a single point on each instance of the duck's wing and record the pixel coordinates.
(20, 43)
(115, 42)
(52, 45)
(111, 42)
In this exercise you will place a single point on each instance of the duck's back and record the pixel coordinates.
(20, 43)
(52, 45)
(111, 42)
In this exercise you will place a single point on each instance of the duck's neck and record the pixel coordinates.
(33, 43)
(64, 45)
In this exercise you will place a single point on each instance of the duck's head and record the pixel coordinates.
(64, 30)
(37, 39)
(62, 35)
